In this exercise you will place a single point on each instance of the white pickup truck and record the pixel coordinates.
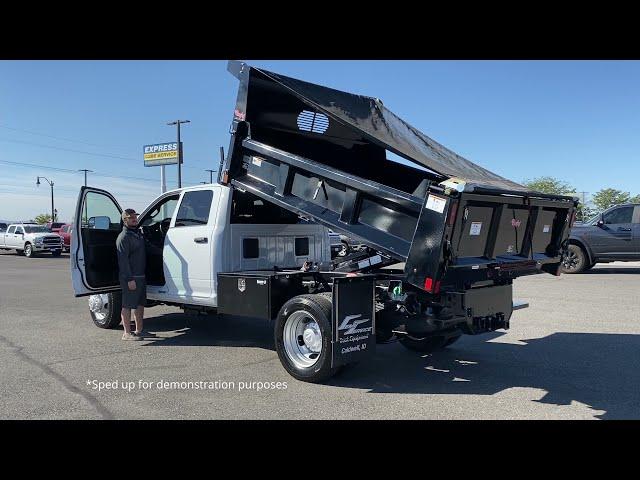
(29, 239)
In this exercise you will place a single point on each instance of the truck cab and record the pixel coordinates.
(200, 232)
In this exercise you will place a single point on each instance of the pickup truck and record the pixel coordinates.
(610, 236)
(303, 159)
(30, 239)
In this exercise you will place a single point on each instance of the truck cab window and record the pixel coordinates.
(100, 211)
(194, 208)
(11, 230)
(248, 208)
(19, 231)
(618, 215)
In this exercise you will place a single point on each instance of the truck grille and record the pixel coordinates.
(52, 240)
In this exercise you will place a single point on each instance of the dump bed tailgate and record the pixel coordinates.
(467, 237)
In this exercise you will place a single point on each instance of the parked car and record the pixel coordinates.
(55, 226)
(610, 236)
(3, 227)
(28, 239)
(65, 233)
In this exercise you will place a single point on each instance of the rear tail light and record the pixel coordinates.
(431, 286)
(573, 219)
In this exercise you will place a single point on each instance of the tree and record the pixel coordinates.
(635, 199)
(549, 185)
(554, 186)
(608, 197)
(43, 218)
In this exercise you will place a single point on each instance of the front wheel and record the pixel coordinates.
(105, 309)
(574, 260)
(28, 250)
(303, 338)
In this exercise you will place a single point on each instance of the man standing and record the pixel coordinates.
(131, 261)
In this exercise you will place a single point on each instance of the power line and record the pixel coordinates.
(71, 149)
(68, 170)
(57, 138)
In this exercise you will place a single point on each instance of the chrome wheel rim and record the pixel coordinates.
(302, 339)
(99, 306)
(570, 260)
(27, 250)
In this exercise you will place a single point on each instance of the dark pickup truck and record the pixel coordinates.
(610, 236)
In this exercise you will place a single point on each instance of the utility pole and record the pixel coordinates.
(178, 122)
(210, 175)
(85, 174)
(52, 207)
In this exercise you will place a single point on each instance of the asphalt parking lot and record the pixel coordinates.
(574, 354)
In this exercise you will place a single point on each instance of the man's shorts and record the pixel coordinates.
(134, 298)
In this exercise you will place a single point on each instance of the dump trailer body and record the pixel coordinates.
(323, 154)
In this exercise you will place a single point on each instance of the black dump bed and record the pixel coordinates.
(324, 154)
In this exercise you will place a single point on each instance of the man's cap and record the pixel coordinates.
(128, 212)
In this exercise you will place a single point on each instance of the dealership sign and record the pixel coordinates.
(160, 154)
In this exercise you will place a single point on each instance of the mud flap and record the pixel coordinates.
(354, 330)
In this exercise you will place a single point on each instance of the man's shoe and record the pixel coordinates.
(129, 336)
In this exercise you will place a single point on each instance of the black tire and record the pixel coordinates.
(112, 318)
(575, 260)
(56, 253)
(28, 250)
(319, 307)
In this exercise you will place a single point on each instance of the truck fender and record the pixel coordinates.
(584, 246)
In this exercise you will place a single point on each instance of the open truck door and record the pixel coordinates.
(94, 260)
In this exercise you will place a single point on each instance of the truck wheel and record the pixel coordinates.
(56, 253)
(574, 260)
(28, 250)
(105, 309)
(303, 337)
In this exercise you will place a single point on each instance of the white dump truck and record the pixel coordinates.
(303, 159)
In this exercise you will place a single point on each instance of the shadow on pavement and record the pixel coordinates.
(599, 370)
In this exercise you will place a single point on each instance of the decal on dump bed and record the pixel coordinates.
(475, 229)
(436, 204)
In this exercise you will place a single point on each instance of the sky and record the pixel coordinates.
(578, 121)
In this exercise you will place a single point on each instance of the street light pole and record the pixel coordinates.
(210, 175)
(53, 218)
(178, 122)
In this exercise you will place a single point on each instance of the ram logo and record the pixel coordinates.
(351, 328)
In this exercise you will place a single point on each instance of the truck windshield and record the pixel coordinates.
(37, 229)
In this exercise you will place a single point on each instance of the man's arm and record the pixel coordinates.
(123, 247)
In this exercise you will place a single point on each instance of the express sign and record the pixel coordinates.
(161, 154)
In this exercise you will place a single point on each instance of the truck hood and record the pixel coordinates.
(369, 117)
(41, 235)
